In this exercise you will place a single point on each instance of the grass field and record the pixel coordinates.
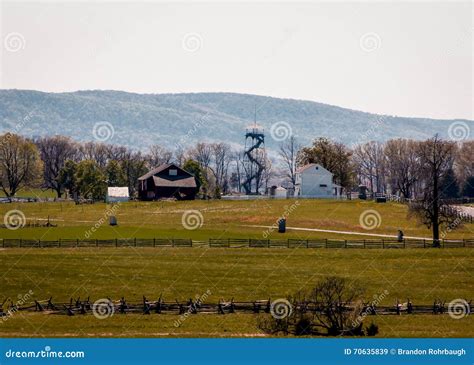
(244, 274)
(219, 219)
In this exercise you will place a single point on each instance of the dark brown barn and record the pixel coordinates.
(167, 181)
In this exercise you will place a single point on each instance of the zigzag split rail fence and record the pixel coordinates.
(236, 243)
(82, 307)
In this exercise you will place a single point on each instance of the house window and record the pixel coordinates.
(323, 186)
(173, 172)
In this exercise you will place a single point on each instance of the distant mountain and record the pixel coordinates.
(140, 120)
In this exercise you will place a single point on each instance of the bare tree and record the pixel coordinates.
(289, 154)
(55, 151)
(370, 165)
(220, 167)
(98, 152)
(158, 155)
(403, 165)
(436, 159)
(20, 164)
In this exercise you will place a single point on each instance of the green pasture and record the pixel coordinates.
(243, 274)
(220, 219)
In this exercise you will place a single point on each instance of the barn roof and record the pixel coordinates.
(156, 170)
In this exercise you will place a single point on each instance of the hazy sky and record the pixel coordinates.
(408, 59)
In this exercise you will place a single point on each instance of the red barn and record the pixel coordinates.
(167, 181)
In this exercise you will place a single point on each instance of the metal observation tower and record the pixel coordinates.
(254, 158)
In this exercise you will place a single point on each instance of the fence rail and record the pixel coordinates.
(191, 306)
(236, 243)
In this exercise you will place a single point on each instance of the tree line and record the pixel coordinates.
(401, 167)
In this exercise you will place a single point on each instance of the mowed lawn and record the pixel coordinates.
(243, 274)
(220, 219)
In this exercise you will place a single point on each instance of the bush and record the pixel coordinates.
(372, 330)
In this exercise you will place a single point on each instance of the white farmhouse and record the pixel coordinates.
(314, 181)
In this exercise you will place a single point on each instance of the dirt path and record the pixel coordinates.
(342, 232)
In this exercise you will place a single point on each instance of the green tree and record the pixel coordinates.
(67, 176)
(195, 168)
(91, 182)
(115, 174)
(333, 156)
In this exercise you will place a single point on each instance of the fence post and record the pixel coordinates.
(288, 243)
(135, 241)
(77, 242)
(39, 243)
(116, 243)
(424, 243)
(463, 242)
(383, 243)
(345, 243)
(364, 243)
(326, 243)
(59, 243)
(154, 242)
(96, 242)
(20, 242)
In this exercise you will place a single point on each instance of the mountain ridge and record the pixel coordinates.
(140, 120)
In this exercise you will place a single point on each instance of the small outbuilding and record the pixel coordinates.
(167, 181)
(116, 194)
(314, 181)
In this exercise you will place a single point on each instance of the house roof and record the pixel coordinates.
(310, 165)
(118, 191)
(187, 182)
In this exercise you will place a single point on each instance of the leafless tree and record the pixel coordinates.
(20, 164)
(370, 165)
(55, 151)
(221, 154)
(289, 154)
(98, 152)
(436, 159)
(158, 155)
(403, 165)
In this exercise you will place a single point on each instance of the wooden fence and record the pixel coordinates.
(236, 243)
(190, 306)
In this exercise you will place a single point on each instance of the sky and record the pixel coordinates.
(397, 58)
